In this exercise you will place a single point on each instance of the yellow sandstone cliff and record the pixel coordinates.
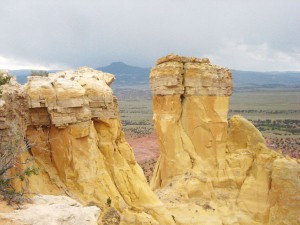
(207, 173)
(74, 133)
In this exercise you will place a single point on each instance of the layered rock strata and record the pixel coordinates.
(71, 97)
(73, 132)
(207, 174)
(69, 124)
(190, 105)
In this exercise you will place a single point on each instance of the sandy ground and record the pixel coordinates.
(4, 208)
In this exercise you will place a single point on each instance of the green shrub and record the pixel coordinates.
(10, 149)
(108, 201)
(4, 79)
(41, 73)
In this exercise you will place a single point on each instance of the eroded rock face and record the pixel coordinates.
(72, 124)
(190, 105)
(207, 174)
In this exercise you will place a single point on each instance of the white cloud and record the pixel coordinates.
(13, 64)
(245, 56)
(95, 33)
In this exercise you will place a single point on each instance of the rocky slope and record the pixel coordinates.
(207, 174)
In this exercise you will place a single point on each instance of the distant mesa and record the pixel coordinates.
(121, 67)
(133, 75)
(127, 75)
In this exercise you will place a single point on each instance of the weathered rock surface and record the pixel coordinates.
(71, 97)
(207, 174)
(74, 133)
(54, 210)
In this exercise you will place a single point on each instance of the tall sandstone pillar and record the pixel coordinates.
(190, 106)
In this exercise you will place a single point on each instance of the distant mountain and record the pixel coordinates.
(266, 79)
(131, 75)
(128, 76)
(120, 67)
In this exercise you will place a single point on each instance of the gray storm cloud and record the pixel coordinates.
(250, 35)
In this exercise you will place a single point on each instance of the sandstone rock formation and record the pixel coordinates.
(72, 125)
(207, 174)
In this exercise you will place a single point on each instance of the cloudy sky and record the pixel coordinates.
(258, 35)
